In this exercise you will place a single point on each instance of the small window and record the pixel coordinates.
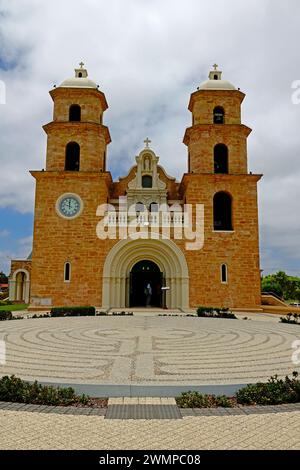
(139, 207)
(104, 160)
(153, 207)
(147, 181)
(224, 274)
(215, 77)
(80, 75)
(72, 161)
(222, 207)
(75, 113)
(219, 115)
(101, 118)
(67, 274)
(221, 159)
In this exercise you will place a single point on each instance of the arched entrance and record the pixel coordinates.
(125, 254)
(19, 286)
(146, 281)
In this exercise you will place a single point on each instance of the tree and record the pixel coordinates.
(283, 285)
(297, 294)
(270, 285)
(283, 280)
(3, 278)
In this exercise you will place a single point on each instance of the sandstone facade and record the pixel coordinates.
(102, 270)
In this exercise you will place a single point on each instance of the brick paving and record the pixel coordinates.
(23, 430)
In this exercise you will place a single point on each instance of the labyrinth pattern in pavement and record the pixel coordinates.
(147, 350)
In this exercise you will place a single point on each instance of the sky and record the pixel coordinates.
(148, 56)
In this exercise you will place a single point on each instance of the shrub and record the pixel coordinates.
(214, 312)
(72, 311)
(122, 314)
(16, 390)
(288, 318)
(205, 311)
(197, 400)
(274, 392)
(5, 315)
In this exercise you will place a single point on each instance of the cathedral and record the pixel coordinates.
(147, 239)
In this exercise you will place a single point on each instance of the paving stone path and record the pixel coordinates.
(23, 430)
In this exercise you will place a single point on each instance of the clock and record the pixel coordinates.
(69, 206)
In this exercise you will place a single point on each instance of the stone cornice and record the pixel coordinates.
(215, 127)
(58, 126)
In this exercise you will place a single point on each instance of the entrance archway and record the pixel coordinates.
(125, 254)
(146, 281)
(19, 286)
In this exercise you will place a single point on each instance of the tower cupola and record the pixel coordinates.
(77, 138)
(80, 80)
(215, 81)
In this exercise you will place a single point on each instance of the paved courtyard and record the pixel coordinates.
(25, 430)
(148, 350)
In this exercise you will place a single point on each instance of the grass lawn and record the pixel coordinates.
(13, 308)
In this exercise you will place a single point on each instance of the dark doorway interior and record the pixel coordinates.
(144, 273)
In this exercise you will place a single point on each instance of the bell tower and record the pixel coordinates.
(77, 138)
(217, 140)
(68, 192)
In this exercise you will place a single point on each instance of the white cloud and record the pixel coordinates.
(21, 250)
(4, 233)
(25, 242)
(148, 57)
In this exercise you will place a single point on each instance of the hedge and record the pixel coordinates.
(5, 315)
(72, 311)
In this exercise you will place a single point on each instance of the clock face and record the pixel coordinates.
(69, 206)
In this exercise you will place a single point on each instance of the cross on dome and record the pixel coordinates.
(215, 66)
(147, 142)
(81, 64)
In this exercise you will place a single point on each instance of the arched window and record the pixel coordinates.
(147, 181)
(139, 207)
(67, 272)
(75, 113)
(72, 162)
(80, 75)
(153, 207)
(224, 274)
(222, 211)
(221, 158)
(219, 115)
(101, 118)
(215, 77)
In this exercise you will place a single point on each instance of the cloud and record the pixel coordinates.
(4, 233)
(148, 57)
(25, 242)
(20, 250)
